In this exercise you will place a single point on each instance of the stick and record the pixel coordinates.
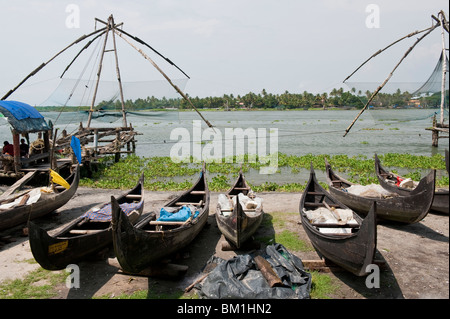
(335, 214)
(165, 76)
(142, 42)
(45, 63)
(381, 50)
(84, 48)
(188, 288)
(389, 76)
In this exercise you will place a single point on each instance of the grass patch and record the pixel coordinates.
(274, 229)
(291, 241)
(38, 284)
(322, 286)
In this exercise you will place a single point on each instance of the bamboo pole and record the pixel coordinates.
(148, 46)
(382, 50)
(444, 66)
(389, 76)
(163, 74)
(45, 63)
(84, 48)
(100, 66)
(124, 116)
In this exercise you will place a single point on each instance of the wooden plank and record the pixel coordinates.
(133, 196)
(162, 223)
(84, 231)
(325, 225)
(320, 204)
(17, 185)
(187, 203)
(198, 192)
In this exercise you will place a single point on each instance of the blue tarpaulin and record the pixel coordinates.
(23, 117)
(180, 216)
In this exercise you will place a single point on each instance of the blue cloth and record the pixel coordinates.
(104, 214)
(180, 216)
(76, 147)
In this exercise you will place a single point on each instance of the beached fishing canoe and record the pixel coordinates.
(21, 206)
(393, 207)
(239, 212)
(337, 232)
(393, 183)
(151, 239)
(85, 235)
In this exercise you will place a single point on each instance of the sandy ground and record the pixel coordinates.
(416, 257)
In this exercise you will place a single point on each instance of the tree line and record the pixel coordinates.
(337, 98)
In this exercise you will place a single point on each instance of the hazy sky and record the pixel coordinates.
(231, 46)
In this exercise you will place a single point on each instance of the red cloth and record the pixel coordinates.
(8, 149)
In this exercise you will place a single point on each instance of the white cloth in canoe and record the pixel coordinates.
(372, 190)
(34, 194)
(323, 215)
(246, 202)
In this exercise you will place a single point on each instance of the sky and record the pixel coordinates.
(226, 47)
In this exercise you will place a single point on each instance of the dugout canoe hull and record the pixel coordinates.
(141, 245)
(352, 251)
(46, 204)
(404, 209)
(240, 225)
(81, 237)
(388, 181)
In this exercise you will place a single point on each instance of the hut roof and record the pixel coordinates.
(23, 117)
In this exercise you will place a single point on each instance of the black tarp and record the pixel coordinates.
(240, 278)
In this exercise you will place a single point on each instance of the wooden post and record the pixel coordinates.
(47, 145)
(434, 133)
(117, 147)
(95, 142)
(16, 145)
(444, 67)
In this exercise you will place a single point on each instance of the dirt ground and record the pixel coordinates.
(415, 257)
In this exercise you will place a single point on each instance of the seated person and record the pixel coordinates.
(23, 148)
(8, 148)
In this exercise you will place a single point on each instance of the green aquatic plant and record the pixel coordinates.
(161, 173)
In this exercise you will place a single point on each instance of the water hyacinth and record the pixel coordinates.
(162, 174)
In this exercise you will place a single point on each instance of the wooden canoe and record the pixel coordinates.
(47, 202)
(83, 236)
(137, 247)
(352, 249)
(238, 224)
(405, 209)
(389, 182)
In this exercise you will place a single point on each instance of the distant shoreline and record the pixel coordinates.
(81, 109)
